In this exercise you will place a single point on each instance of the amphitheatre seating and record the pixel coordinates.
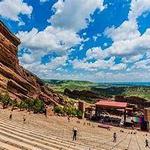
(14, 135)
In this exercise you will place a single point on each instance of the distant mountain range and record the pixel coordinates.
(105, 84)
(129, 84)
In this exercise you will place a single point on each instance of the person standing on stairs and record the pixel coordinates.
(75, 133)
(146, 143)
(10, 116)
(24, 118)
(114, 137)
(68, 118)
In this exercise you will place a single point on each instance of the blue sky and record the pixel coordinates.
(95, 40)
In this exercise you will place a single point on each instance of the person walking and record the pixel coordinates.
(68, 118)
(146, 143)
(10, 116)
(24, 118)
(75, 133)
(114, 137)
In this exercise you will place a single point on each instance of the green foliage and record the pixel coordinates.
(32, 105)
(79, 113)
(101, 89)
(14, 104)
(61, 85)
(23, 105)
(5, 100)
(38, 106)
(142, 92)
(35, 105)
(67, 110)
(58, 109)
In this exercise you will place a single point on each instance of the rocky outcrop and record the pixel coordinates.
(14, 79)
(140, 102)
(84, 94)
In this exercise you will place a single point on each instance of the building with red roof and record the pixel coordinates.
(109, 105)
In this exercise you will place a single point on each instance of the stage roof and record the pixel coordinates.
(111, 104)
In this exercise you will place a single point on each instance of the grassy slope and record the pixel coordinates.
(101, 89)
(143, 92)
(59, 86)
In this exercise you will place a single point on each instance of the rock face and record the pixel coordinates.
(14, 79)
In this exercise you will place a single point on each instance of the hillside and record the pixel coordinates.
(61, 85)
(84, 89)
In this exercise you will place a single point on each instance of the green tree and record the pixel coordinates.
(58, 109)
(14, 104)
(30, 104)
(23, 105)
(38, 106)
(79, 113)
(6, 100)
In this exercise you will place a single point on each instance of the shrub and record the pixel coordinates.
(30, 104)
(79, 113)
(38, 106)
(6, 100)
(1, 96)
(14, 104)
(35, 105)
(23, 105)
(58, 109)
(69, 110)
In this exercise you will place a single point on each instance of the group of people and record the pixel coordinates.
(75, 135)
(146, 142)
(24, 117)
(74, 138)
(75, 130)
(115, 139)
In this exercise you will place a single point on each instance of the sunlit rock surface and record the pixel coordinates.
(14, 79)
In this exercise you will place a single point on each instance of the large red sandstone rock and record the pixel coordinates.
(14, 79)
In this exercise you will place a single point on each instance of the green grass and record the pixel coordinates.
(102, 89)
(60, 86)
(143, 92)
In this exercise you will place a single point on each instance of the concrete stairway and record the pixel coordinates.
(14, 135)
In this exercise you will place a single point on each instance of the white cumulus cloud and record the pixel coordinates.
(127, 40)
(48, 40)
(74, 14)
(11, 9)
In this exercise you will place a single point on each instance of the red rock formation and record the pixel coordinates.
(14, 79)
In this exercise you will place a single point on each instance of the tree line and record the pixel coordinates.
(37, 106)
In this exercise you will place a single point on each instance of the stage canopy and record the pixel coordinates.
(111, 104)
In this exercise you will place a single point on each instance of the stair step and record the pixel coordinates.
(12, 143)
(50, 143)
(4, 145)
(45, 138)
(29, 143)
